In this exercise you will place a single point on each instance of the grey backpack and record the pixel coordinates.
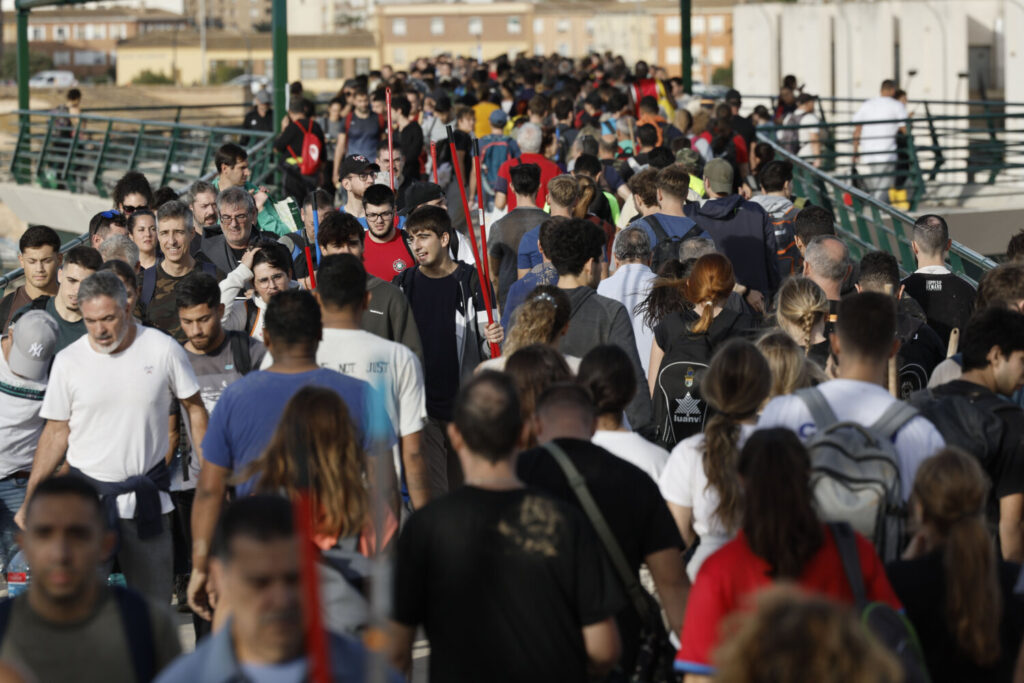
(855, 473)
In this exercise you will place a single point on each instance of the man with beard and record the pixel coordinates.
(386, 253)
(202, 199)
(106, 408)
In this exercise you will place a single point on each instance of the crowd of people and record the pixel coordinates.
(665, 425)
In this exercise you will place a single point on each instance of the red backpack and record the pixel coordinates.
(312, 151)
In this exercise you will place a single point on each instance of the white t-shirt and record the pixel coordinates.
(630, 285)
(20, 422)
(685, 484)
(634, 449)
(863, 403)
(117, 406)
(878, 140)
(808, 127)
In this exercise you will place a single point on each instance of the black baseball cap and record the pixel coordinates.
(356, 163)
(419, 193)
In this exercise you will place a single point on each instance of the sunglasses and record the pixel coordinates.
(129, 210)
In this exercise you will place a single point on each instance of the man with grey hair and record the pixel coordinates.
(239, 229)
(529, 138)
(106, 408)
(120, 248)
(827, 263)
(174, 233)
(631, 283)
(947, 299)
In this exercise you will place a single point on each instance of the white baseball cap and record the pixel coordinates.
(33, 345)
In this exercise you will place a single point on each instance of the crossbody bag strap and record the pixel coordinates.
(604, 532)
(846, 544)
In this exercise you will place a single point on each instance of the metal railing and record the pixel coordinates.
(89, 153)
(228, 113)
(865, 223)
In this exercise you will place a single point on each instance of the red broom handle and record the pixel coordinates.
(309, 265)
(485, 284)
(433, 159)
(391, 143)
(316, 636)
(480, 198)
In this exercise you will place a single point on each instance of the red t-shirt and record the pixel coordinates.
(386, 259)
(728, 579)
(548, 170)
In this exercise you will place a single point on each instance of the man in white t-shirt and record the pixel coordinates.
(107, 407)
(27, 350)
(878, 121)
(390, 368)
(809, 133)
(864, 341)
(631, 283)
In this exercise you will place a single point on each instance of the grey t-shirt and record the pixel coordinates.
(94, 650)
(214, 372)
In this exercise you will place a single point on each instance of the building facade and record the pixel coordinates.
(233, 15)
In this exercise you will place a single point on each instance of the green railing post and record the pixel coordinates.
(71, 150)
(175, 132)
(97, 176)
(279, 26)
(23, 75)
(46, 146)
(133, 159)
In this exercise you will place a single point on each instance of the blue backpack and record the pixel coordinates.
(495, 150)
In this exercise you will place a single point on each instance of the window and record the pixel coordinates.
(89, 32)
(562, 26)
(437, 26)
(268, 66)
(673, 55)
(62, 58)
(60, 33)
(37, 33)
(122, 31)
(398, 27)
(697, 25)
(309, 69)
(538, 49)
(335, 68)
(515, 25)
(673, 25)
(563, 49)
(101, 31)
(362, 66)
(589, 27)
(398, 55)
(476, 26)
(716, 55)
(90, 58)
(716, 24)
(538, 25)
(76, 31)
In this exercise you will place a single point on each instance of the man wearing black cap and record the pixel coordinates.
(741, 125)
(356, 173)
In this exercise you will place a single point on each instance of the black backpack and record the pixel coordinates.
(912, 376)
(679, 409)
(240, 351)
(148, 288)
(667, 247)
(889, 627)
(138, 630)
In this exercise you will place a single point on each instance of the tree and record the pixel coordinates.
(722, 76)
(222, 73)
(37, 61)
(148, 77)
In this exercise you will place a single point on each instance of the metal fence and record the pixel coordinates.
(865, 223)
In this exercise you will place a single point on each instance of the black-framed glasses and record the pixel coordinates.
(382, 216)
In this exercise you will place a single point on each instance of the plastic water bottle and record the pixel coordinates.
(18, 575)
(116, 580)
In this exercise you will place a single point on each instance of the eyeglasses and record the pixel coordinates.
(362, 176)
(129, 210)
(114, 213)
(382, 216)
(237, 218)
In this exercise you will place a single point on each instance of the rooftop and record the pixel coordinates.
(233, 40)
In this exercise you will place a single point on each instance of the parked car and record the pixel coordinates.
(53, 79)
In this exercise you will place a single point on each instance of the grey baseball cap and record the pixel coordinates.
(33, 345)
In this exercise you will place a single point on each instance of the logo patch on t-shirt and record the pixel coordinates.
(933, 285)
(399, 265)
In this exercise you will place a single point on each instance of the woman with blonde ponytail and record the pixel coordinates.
(708, 325)
(956, 590)
(543, 318)
(801, 310)
(700, 482)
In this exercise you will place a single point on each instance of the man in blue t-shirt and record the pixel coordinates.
(669, 221)
(246, 416)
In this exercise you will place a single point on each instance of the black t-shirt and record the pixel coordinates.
(630, 501)
(920, 351)
(743, 127)
(921, 587)
(503, 583)
(947, 300)
(410, 141)
(434, 305)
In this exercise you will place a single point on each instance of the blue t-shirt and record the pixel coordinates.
(529, 250)
(247, 413)
(521, 289)
(674, 226)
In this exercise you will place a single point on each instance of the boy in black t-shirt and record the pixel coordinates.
(946, 298)
(509, 583)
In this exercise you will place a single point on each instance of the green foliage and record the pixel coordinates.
(37, 61)
(722, 76)
(222, 73)
(148, 77)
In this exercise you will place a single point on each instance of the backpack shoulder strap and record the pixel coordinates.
(6, 605)
(821, 411)
(656, 226)
(695, 231)
(252, 313)
(139, 631)
(148, 285)
(894, 417)
(240, 352)
(846, 543)
(348, 122)
(299, 126)
(604, 532)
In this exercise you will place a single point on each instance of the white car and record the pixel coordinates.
(53, 79)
